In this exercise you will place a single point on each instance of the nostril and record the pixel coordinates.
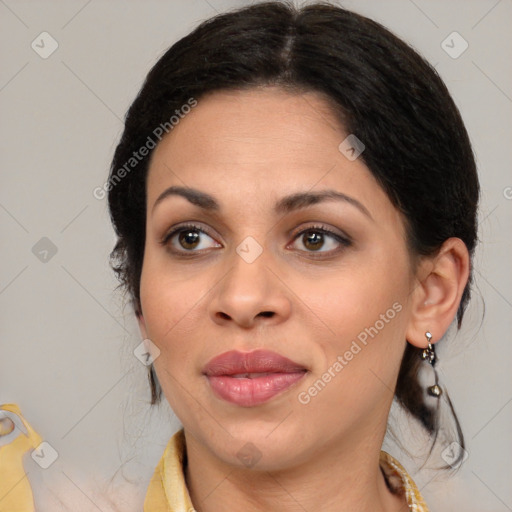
(267, 313)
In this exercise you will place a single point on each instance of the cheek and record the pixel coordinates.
(170, 310)
(170, 305)
(360, 358)
(365, 311)
(358, 298)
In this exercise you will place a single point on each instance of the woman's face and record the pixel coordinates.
(324, 283)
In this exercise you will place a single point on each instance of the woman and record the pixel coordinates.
(295, 200)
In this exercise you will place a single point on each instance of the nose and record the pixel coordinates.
(250, 293)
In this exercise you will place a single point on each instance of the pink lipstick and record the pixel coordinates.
(251, 378)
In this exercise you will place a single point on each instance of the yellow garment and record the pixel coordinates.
(167, 490)
(15, 490)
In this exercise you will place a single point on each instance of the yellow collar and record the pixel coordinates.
(167, 490)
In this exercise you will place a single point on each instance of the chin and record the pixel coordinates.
(261, 445)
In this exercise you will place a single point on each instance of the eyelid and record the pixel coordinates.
(320, 226)
(342, 240)
(340, 237)
(193, 225)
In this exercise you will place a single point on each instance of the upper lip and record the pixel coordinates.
(257, 361)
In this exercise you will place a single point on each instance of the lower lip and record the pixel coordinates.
(247, 392)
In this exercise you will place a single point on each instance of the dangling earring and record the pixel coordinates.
(429, 355)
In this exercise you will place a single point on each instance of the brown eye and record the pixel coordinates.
(188, 239)
(313, 240)
(318, 239)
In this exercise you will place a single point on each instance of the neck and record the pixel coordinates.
(339, 477)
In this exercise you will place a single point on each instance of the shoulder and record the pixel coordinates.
(167, 490)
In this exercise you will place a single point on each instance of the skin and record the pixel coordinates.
(248, 149)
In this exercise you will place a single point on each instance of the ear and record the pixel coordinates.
(142, 325)
(435, 300)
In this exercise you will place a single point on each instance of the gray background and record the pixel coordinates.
(66, 340)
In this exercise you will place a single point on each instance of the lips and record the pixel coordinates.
(251, 378)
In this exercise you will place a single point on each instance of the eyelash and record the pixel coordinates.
(318, 228)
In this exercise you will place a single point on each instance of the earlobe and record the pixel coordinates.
(437, 297)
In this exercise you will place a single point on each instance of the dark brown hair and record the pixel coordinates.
(382, 91)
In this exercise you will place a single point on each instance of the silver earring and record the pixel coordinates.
(429, 355)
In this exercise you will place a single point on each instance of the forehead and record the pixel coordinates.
(261, 143)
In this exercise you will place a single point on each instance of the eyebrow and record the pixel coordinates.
(286, 204)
